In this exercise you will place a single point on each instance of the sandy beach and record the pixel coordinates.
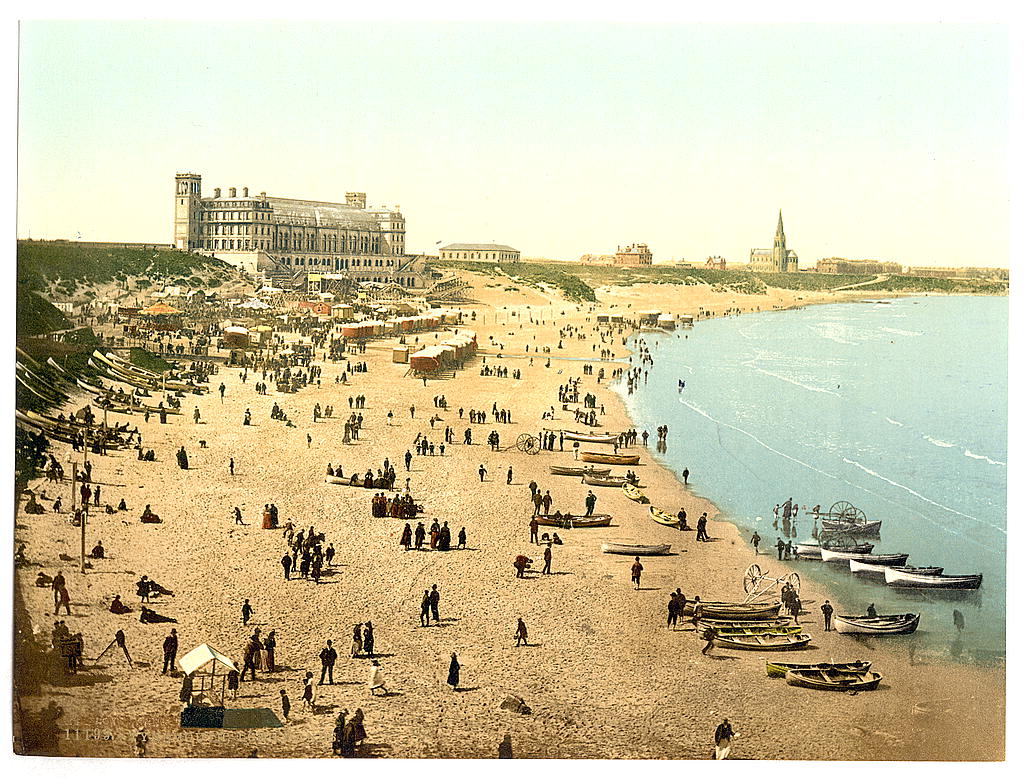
(603, 675)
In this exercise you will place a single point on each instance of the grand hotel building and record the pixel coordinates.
(286, 238)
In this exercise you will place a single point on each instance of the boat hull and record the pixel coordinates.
(865, 568)
(610, 459)
(579, 472)
(635, 550)
(834, 681)
(882, 625)
(764, 642)
(844, 557)
(735, 610)
(575, 522)
(779, 669)
(905, 580)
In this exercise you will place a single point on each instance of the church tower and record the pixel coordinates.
(187, 195)
(780, 258)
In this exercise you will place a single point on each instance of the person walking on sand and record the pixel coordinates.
(723, 739)
(709, 635)
(462, 538)
(521, 633)
(406, 540)
(686, 476)
(508, 477)
(376, 679)
(826, 611)
(756, 540)
(483, 472)
(286, 563)
(231, 465)
(368, 639)
(547, 502)
(673, 610)
(247, 611)
(435, 600)
(238, 516)
(286, 704)
(534, 529)
(170, 651)
(590, 502)
(270, 645)
(328, 656)
(307, 692)
(425, 609)
(635, 571)
(538, 501)
(421, 535)
(453, 672)
(357, 640)
(547, 560)
(780, 546)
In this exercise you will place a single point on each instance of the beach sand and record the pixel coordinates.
(602, 674)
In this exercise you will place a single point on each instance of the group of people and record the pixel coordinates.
(401, 506)
(305, 553)
(440, 537)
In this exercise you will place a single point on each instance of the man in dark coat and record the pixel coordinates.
(170, 651)
(286, 563)
(328, 656)
(827, 610)
(435, 599)
(453, 672)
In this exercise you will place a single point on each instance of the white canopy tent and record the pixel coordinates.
(203, 662)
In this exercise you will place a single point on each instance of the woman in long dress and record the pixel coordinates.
(406, 540)
(376, 678)
(357, 640)
(453, 672)
(723, 739)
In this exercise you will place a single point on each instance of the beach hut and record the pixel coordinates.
(667, 321)
(235, 337)
(649, 318)
(685, 319)
(400, 354)
(209, 669)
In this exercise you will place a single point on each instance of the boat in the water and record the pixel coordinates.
(766, 642)
(635, 549)
(834, 680)
(898, 624)
(906, 580)
(872, 568)
(610, 459)
(604, 480)
(568, 521)
(664, 517)
(865, 528)
(811, 549)
(830, 555)
(734, 610)
(579, 472)
(635, 493)
(779, 669)
(591, 437)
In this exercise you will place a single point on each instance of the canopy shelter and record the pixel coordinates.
(161, 316)
(209, 669)
(159, 309)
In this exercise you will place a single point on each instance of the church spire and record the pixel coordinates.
(779, 233)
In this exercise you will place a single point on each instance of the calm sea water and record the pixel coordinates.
(898, 407)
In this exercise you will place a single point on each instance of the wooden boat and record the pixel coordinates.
(767, 642)
(575, 522)
(610, 459)
(899, 624)
(866, 528)
(579, 472)
(591, 437)
(635, 549)
(829, 555)
(906, 580)
(735, 610)
(780, 621)
(779, 669)
(834, 680)
(876, 569)
(777, 629)
(663, 517)
(633, 492)
(604, 480)
(345, 480)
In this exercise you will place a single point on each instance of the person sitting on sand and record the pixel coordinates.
(32, 507)
(119, 607)
(148, 517)
(43, 581)
(122, 506)
(98, 552)
(150, 616)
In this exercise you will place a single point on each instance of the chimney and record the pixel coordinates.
(232, 192)
(216, 191)
(263, 195)
(245, 191)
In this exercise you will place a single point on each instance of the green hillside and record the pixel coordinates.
(36, 316)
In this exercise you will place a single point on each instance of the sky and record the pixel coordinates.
(876, 141)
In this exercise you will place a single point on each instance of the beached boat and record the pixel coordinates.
(898, 624)
(591, 437)
(871, 568)
(734, 610)
(633, 492)
(604, 480)
(610, 459)
(575, 522)
(767, 642)
(579, 472)
(345, 480)
(834, 680)
(663, 517)
(830, 555)
(907, 580)
(635, 549)
(776, 629)
(779, 669)
(780, 621)
(865, 528)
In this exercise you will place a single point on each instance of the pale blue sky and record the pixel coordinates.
(876, 141)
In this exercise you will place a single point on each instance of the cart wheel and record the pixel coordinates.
(793, 579)
(528, 444)
(751, 578)
(844, 511)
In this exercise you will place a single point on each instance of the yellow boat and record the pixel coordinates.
(634, 493)
(662, 517)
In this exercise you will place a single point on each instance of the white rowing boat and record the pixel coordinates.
(907, 580)
(900, 624)
(635, 549)
(830, 555)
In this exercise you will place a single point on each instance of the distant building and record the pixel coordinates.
(480, 252)
(996, 273)
(715, 263)
(287, 238)
(636, 255)
(841, 266)
(777, 259)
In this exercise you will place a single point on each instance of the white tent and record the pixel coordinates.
(202, 656)
(202, 663)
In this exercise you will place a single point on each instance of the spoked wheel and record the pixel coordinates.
(845, 511)
(751, 578)
(793, 579)
(528, 444)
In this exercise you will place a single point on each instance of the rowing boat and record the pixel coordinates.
(768, 642)
(663, 517)
(781, 621)
(634, 493)
(777, 629)
(906, 580)
(829, 555)
(592, 437)
(610, 459)
(834, 680)
(575, 522)
(810, 549)
(734, 610)
(578, 471)
(872, 568)
(635, 549)
(604, 480)
(779, 669)
(867, 528)
(899, 624)
(344, 480)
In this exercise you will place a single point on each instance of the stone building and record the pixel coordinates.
(777, 259)
(842, 266)
(636, 255)
(286, 239)
(480, 252)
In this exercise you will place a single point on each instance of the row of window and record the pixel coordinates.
(496, 255)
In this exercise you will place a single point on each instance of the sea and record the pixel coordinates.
(896, 407)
